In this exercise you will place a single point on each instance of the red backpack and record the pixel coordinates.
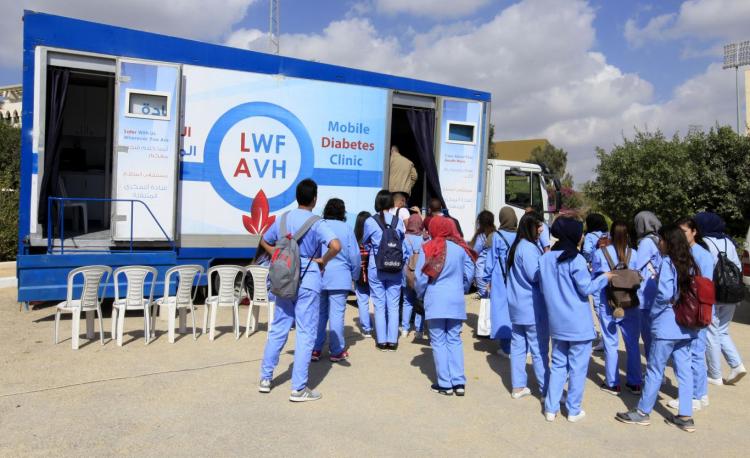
(694, 309)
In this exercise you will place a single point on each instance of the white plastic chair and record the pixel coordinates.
(135, 277)
(260, 299)
(182, 301)
(228, 296)
(83, 206)
(90, 302)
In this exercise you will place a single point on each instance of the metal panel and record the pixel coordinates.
(81, 61)
(413, 100)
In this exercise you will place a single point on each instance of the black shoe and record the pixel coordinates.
(392, 346)
(440, 390)
(635, 389)
(613, 390)
(685, 424)
(382, 347)
(460, 390)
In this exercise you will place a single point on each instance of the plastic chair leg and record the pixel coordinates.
(120, 325)
(75, 325)
(90, 324)
(236, 321)
(57, 325)
(101, 323)
(250, 323)
(192, 315)
(171, 323)
(212, 330)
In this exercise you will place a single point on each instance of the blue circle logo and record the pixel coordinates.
(219, 130)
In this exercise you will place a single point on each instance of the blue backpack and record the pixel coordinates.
(390, 256)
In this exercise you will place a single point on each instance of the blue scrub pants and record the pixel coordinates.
(646, 332)
(304, 313)
(385, 294)
(409, 298)
(629, 327)
(447, 351)
(661, 350)
(332, 308)
(363, 303)
(698, 364)
(529, 339)
(719, 340)
(570, 362)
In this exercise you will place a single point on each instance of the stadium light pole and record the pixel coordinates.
(737, 55)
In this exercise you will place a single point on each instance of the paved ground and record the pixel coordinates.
(199, 397)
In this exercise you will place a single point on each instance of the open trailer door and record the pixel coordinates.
(147, 119)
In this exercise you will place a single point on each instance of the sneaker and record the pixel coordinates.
(613, 390)
(264, 386)
(367, 334)
(440, 390)
(382, 347)
(460, 390)
(340, 357)
(520, 394)
(315, 356)
(502, 353)
(549, 416)
(685, 424)
(635, 389)
(576, 418)
(704, 401)
(715, 381)
(391, 347)
(675, 404)
(304, 395)
(404, 333)
(735, 375)
(634, 417)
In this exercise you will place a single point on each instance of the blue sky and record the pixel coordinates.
(581, 73)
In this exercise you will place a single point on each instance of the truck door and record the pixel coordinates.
(147, 120)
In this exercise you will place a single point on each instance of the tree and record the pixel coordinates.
(10, 167)
(491, 142)
(556, 160)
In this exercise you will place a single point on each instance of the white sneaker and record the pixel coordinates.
(704, 401)
(735, 375)
(404, 333)
(715, 381)
(521, 394)
(502, 353)
(549, 416)
(575, 418)
(675, 404)
(264, 386)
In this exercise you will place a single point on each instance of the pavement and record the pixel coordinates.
(199, 397)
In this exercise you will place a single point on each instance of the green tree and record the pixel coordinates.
(10, 166)
(491, 143)
(556, 159)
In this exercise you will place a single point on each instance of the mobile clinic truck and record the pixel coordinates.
(140, 148)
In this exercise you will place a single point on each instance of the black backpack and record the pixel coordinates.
(390, 256)
(727, 278)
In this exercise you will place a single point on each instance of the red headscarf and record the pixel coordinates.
(441, 230)
(414, 225)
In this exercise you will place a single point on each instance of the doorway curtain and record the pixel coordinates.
(422, 123)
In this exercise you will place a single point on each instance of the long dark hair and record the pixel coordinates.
(528, 229)
(620, 234)
(677, 248)
(359, 225)
(693, 225)
(485, 225)
(335, 209)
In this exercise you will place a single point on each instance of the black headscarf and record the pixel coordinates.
(595, 222)
(711, 225)
(568, 232)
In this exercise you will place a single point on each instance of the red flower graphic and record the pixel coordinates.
(259, 220)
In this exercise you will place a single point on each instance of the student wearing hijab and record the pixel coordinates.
(648, 261)
(362, 287)
(496, 274)
(528, 315)
(445, 262)
(719, 342)
(566, 284)
(412, 245)
(669, 339)
(629, 325)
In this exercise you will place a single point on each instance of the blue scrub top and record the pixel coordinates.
(443, 298)
(544, 239)
(497, 256)
(704, 259)
(371, 241)
(320, 234)
(525, 301)
(344, 268)
(663, 323)
(599, 265)
(566, 287)
(412, 244)
(648, 263)
(589, 244)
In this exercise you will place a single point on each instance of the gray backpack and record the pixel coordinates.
(284, 271)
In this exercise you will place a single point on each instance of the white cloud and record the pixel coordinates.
(658, 28)
(185, 18)
(431, 8)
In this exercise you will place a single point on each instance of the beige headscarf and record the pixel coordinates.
(508, 219)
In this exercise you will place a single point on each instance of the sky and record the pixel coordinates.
(580, 73)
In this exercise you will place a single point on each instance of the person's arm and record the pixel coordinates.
(529, 264)
(268, 240)
(598, 264)
(412, 177)
(665, 292)
(468, 271)
(421, 280)
(582, 278)
(492, 259)
(588, 248)
(334, 245)
(355, 257)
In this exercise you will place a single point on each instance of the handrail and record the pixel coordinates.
(61, 217)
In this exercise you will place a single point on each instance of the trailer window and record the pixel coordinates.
(518, 188)
(461, 132)
(147, 104)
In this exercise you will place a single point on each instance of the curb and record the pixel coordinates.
(8, 282)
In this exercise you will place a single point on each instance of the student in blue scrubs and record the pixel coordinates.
(629, 325)
(338, 276)
(706, 263)
(362, 287)
(385, 287)
(444, 272)
(412, 245)
(496, 274)
(543, 241)
(648, 262)
(669, 339)
(566, 284)
(596, 228)
(528, 314)
(481, 243)
(304, 310)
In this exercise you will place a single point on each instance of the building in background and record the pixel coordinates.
(517, 150)
(10, 104)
